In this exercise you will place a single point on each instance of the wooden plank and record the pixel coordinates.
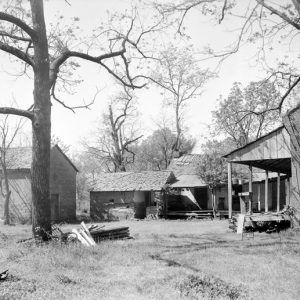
(250, 190)
(240, 224)
(266, 218)
(267, 191)
(87, 238)
(80, 237)
(278, 192)
(244, 194)
(258, 196)
(229, 166)
(87, 232)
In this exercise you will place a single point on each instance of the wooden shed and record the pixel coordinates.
(137, 190)
(271, 153)
(62, 185)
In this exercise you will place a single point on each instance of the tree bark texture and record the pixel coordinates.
(41, 127)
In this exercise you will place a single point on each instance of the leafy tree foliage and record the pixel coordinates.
(234, 116)
(156, 151)
(50, 57)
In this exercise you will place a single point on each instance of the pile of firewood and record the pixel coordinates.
(100, 234)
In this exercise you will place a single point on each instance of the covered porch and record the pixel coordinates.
(270, 153)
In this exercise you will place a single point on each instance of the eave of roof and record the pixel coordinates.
(251, 143)
(66, 157)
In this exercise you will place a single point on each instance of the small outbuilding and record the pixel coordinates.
(62, 185)
(140, 191)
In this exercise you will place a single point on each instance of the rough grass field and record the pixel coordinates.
(164, 260)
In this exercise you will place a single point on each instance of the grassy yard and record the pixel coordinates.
(164, 260)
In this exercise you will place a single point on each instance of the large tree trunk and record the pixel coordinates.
(41, 128)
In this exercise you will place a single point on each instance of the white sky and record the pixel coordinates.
(72, 128)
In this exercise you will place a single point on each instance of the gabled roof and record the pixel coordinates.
(270, 152)
(21, 158)
(65, 156)
(276, 130)
(185, 165)
(132, 181)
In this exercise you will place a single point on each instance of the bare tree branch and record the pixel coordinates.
(17, 53)
(17, 112)
(15, 37)
(279, 14)
(18, 22)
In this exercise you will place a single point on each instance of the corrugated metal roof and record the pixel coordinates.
(132, 181)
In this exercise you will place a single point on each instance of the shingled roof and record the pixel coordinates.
(21, 158)
(185, 170)
(132, 181)
(185, 165)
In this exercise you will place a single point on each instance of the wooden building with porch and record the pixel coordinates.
(138, 192)
(270, 153)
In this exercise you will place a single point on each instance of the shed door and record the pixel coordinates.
(201, 197)
(54, 207)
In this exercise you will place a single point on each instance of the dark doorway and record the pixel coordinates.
(201, 197)
(54, 207)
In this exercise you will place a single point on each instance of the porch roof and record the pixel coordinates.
(270, 152)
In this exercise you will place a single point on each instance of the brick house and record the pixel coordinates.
(62, 185)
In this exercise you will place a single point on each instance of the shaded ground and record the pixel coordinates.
(165, 260)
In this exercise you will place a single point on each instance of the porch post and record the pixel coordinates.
(278, 192)
(266, 191)
(250, 191)
(287, 188)
(258, 197)
(229, 166)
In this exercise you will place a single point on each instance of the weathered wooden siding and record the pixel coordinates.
(273, 146)
(292, 123)
(63, 183)
(20, 200)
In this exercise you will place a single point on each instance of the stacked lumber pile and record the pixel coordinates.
(262, 222)
(100, 234)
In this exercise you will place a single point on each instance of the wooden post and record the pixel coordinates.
(250, 191)
(266, 191)
(258, 197)
(229, 166)
(288, 192)
(278, 192)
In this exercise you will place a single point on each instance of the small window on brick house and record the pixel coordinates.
(112, 201)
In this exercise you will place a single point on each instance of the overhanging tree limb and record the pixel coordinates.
(18, 22)
(17, 112)
(17, 53)
(283, 16)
